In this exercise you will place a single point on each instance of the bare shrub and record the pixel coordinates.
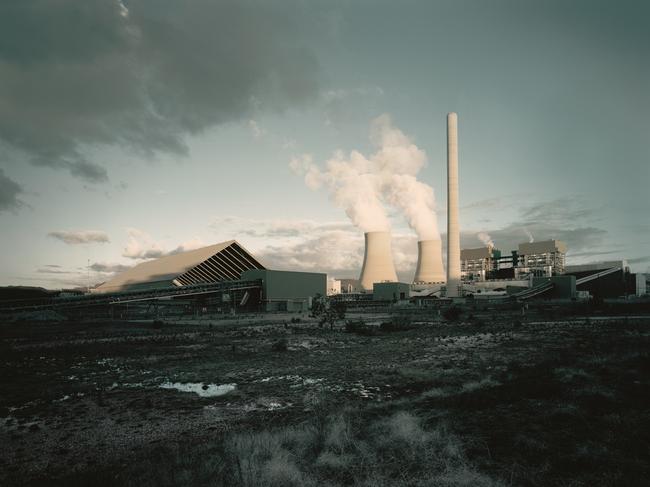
(262, 459)
(434, 393)
(281, 471)
(338, 434)
(281, 345)
(464, 476)
(570, 374)
(481, 384)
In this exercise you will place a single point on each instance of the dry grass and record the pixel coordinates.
(395, 450)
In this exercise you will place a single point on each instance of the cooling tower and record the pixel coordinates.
(429, 267)
(453, 231)
(377, 261)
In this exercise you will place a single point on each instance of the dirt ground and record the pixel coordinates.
(560, 402)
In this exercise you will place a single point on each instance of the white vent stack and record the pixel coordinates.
(453, 231)
(429, 268)
(378, 260)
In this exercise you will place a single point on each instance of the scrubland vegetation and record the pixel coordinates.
(491, 401)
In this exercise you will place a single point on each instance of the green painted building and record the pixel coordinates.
(391, 291)
(288, 290)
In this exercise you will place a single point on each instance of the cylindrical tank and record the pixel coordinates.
(453, 230)
(429, 268)
(377, 261)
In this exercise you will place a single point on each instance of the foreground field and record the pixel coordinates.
(495, 403)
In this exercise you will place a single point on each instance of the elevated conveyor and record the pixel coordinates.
(105, 299)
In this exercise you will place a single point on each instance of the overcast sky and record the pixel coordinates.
(131, 129)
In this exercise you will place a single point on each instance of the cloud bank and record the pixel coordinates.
(141, 246)
(144, 74)
(333, 247)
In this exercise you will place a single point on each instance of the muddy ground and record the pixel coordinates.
(562, 402)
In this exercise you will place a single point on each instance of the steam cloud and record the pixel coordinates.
(361, 185)
(531, 239)
(353, 184)
(486, 239)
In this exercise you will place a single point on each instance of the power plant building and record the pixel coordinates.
(479, 264)
(243, 282)
(224, 261)
(288, 290)
(391, 291)
(542, 259)
(608, 279)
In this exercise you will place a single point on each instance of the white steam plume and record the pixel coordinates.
(486, 239)
(359, 184)
(531, 239)
(353, 186)
(398, 161)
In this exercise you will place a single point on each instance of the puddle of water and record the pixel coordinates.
(203, 390)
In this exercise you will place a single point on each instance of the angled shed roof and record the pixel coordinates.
(224, 261)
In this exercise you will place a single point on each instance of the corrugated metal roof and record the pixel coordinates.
(163, 269)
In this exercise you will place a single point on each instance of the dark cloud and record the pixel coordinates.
(80, 236)
(9, 192)
(489, 203)
(77, 73)
(509, 237)
(639, 260)
(560, 211)
(570, 220)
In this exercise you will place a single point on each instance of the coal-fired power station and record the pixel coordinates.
(377, 261)
(453, 231)
(429, 268)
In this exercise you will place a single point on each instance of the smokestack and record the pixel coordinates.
(453, 232)
(429, 267)
(377, 261)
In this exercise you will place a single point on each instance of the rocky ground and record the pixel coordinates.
(543, 402)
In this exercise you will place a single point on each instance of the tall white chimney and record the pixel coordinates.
(378, 260)
(429, 268)
(453, 231)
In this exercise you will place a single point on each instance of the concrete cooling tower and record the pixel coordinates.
(378, 260)
(429, 268)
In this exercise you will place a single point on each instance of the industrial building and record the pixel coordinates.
(288, 290)
(479, 264)
(608, 279)
(224, 261)
(538, 259)
(391, 291)
(542, 259)
(219, 278)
